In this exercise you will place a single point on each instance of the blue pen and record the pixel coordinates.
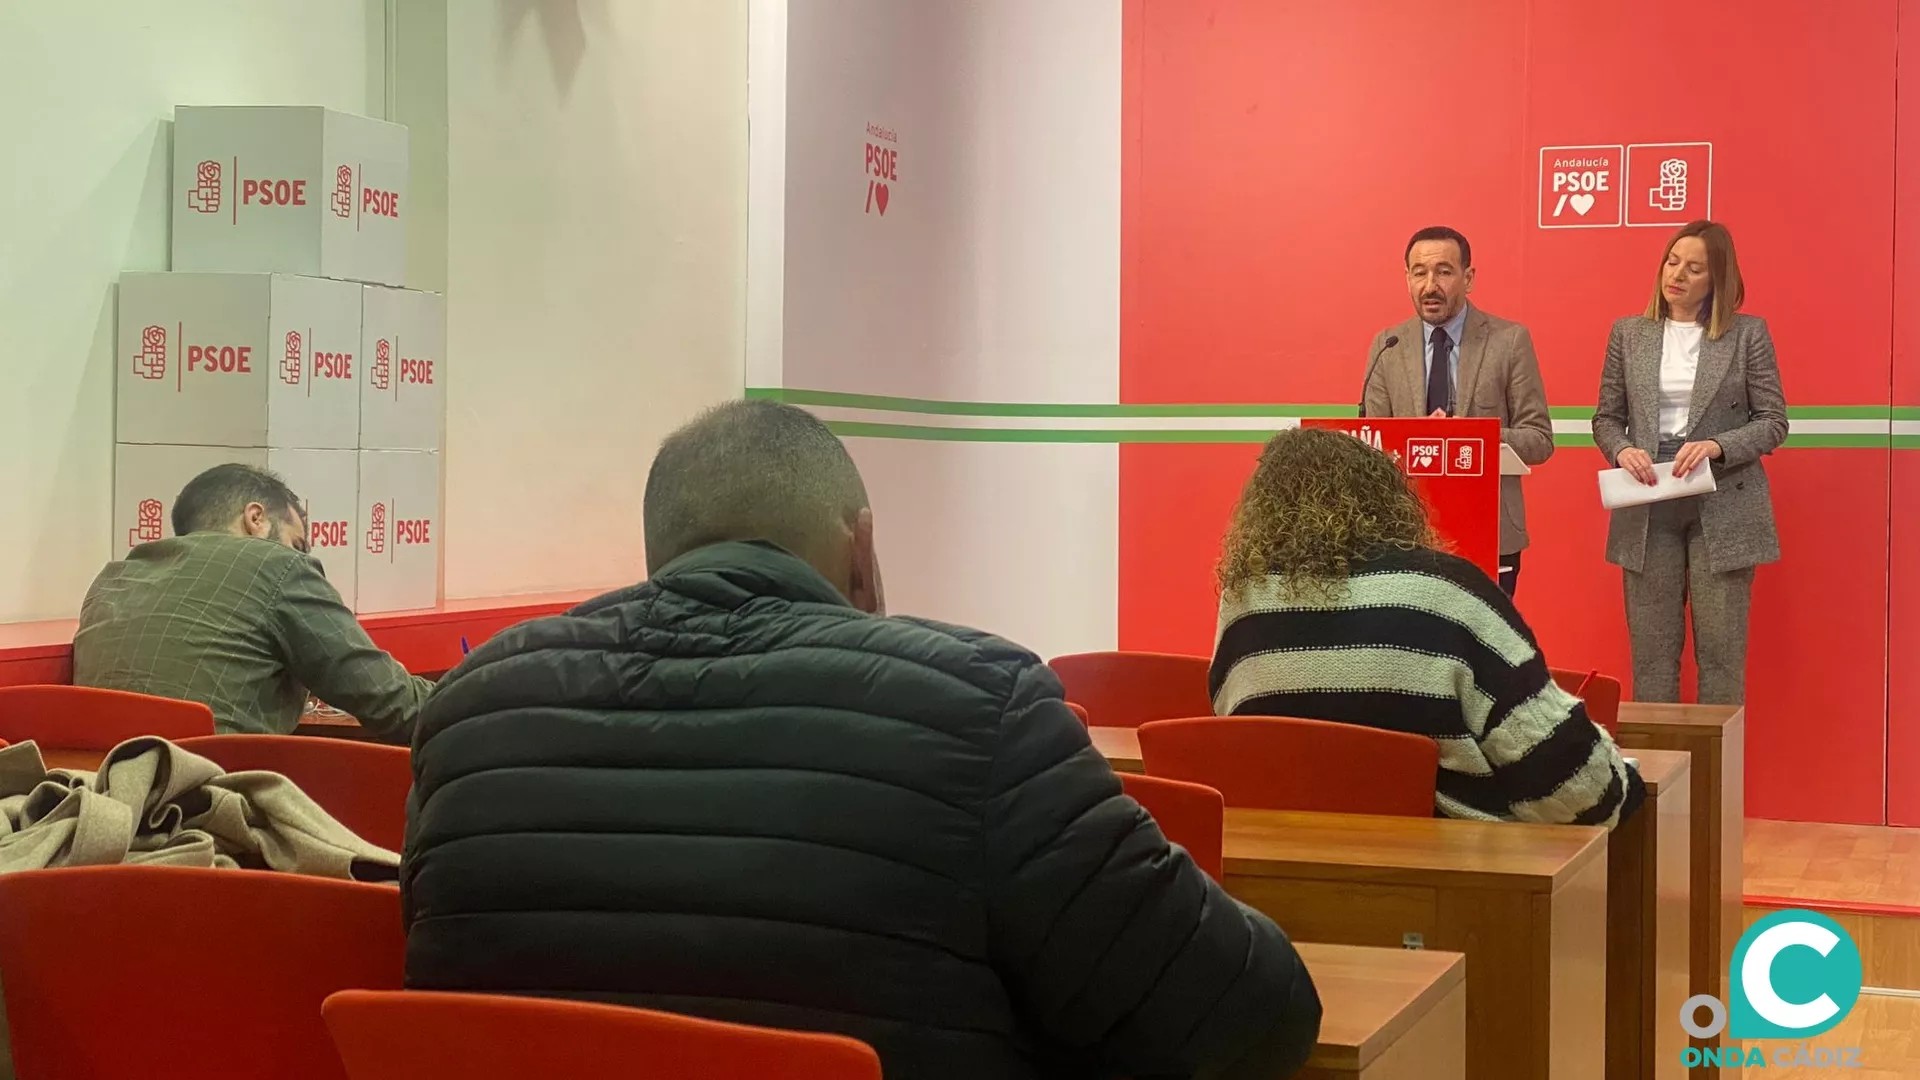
(464, 650)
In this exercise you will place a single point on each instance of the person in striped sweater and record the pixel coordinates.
(1339, 603)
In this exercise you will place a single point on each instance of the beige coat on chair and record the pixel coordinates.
(1736, 402)
(1499, 377)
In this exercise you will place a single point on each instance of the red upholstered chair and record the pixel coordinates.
(1081, 712)
(1270, 763)
(83, 718)
(422, 1035)
(1601, 693)
(363, 785)
(1191, 815)
(1127, 689)
(174, 973)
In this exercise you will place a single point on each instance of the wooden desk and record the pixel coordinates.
(1648, 923)
(1648, 915)
(1526, 904)
(1388, 1014)
(1715, 736)
(1120, 746)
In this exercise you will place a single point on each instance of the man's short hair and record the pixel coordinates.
(750, 470)
(1442, 232)
(216, 498)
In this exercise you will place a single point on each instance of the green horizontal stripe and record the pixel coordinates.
(922, 433)
(936, 407)
(932, 407)
(863, 429)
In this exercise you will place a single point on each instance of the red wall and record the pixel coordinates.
(1278, 153)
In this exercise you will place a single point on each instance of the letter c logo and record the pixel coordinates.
(1795, 974)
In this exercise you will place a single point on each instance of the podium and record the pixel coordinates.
(1455, 466)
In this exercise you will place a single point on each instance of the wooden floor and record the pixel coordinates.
(1850, 864)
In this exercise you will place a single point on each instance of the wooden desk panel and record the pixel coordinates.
(1648, 921)
(1715, 737)
(1120, 746)
(1388, 1014)
(1526, 904)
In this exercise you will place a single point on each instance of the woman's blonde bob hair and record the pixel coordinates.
(1723, 269)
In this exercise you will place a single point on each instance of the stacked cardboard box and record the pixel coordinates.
(281, 338)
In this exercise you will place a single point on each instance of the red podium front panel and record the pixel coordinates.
(1454, 463)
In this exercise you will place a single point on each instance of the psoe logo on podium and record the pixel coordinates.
(1669, 184)
(1426, 457)
(1795, 974)
(1580, 187)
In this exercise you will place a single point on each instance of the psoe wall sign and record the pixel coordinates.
(1795, 974)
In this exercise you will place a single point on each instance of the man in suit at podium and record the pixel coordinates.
(1452, 359)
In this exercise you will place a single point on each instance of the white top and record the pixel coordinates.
(1679, 360)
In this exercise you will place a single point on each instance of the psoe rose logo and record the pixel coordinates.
(151, 361)
(204, 195)
(294, 360)
(147, 527)
(343, 191)
(377, 530)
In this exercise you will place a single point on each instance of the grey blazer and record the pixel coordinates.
(1499, 377)
(1736, 402)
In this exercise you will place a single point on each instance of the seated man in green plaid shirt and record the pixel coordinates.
(233, 612)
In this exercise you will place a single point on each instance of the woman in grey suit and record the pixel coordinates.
(1693, 382)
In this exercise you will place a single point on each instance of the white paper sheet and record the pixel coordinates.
(1618, 488)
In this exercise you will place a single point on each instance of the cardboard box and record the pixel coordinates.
(289, 189)
(147, 479)
(403, 382)
(242, 360)
(399, 548)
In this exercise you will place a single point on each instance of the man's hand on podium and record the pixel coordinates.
(1437, 414)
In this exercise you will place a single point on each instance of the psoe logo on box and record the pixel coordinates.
(151, 361)
(343, 191)
(380, 203)
(294, 360)
(381, 376)
(1795, 974)
(220, 359)
(1669, 183)
(208, 185)
(377, 530)
(1426, 457)
(333, 365)
(272, 192)
(147, 523)
(1580, 187)
(413, 532)
(1463, 457)
(327, 534)
(416, 371)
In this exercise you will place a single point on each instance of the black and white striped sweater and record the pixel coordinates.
(1424, 642)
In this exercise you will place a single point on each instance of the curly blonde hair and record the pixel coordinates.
(1318, 502)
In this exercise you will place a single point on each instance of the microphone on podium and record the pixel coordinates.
(1392, 340)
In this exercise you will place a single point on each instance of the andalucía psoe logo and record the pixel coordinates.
(1795, 974)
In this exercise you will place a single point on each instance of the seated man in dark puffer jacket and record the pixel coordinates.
(740, 791)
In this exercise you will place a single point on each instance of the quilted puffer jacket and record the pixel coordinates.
(727, 793)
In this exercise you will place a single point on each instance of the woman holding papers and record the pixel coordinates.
(1688, 385)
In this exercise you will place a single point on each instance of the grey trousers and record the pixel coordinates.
(1674, 578)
